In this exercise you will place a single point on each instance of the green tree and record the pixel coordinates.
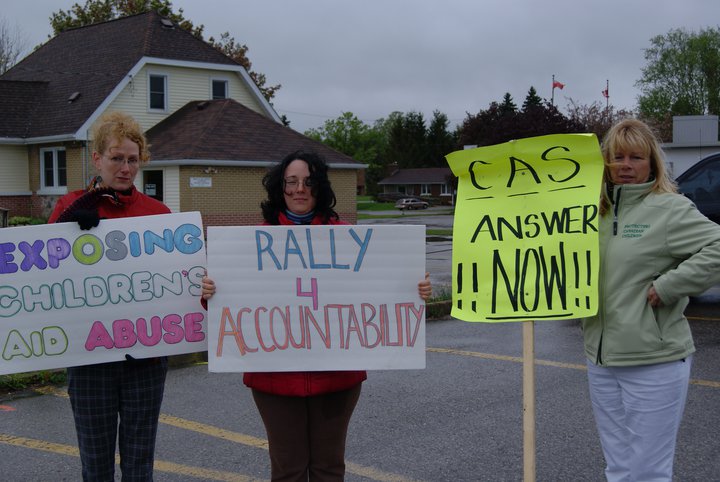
(440, 141)
(407, 143)
(238, 52)
(508, 105)
(349, 135)
(596, 117)
(96, 11)
(353, 137)
(532, 100)
(681, 77)
(482, 129)
(493, 126)
(380, 168)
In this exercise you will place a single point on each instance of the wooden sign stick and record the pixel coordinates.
(529, 401)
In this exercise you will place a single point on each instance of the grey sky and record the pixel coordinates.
(373, 57)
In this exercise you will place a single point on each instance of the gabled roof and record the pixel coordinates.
(226, 132)
(93, 60)
(20, 102)
(429, 175)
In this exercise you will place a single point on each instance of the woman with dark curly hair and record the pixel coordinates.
(316, 189)
(306, 414)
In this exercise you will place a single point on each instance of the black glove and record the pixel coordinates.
(86, 218)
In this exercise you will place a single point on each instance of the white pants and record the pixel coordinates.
(638, 411)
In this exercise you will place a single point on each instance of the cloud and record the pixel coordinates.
(377, 56)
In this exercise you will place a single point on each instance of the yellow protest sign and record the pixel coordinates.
(525, 235)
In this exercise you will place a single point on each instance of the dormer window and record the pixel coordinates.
(157, 88)
(219, 89)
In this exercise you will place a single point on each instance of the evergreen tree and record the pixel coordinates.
(492, 126)
(508, 105)
(407, 144)
(440, 141)
(532, 100)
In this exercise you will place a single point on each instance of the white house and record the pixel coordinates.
(695, 137)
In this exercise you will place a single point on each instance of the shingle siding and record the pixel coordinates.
(184, 85)
(93, 60)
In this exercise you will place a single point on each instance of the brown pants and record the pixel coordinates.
(307, 434)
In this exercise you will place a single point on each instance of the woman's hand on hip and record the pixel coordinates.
(653, 297)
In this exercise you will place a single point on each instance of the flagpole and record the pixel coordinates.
(552, 96)
(607, 97)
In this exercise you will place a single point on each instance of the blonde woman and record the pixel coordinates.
(656, 249)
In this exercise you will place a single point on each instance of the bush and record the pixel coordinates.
(388, 197)
(24, 381)
(25, 221)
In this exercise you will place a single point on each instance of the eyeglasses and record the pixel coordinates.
(118, 161)
(291, 184)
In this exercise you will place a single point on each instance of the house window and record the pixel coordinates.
(158, 92)
(219, 89)
(53, 169)
(445, 189)
(425, 190)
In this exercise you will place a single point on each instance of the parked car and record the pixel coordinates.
(701, 184)
(411, 203)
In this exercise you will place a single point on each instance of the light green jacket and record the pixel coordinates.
(649, 239)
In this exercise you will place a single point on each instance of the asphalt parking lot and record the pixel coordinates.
(438, 249)
(458, 419)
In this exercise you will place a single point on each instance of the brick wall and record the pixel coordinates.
(236, 193)
(233, 200)
(41, 206)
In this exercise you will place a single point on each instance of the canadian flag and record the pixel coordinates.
(605, 93)
(557, 84)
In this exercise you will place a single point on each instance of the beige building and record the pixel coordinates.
(213, 134)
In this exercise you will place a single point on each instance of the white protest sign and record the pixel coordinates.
(130, 286)
(314, 298)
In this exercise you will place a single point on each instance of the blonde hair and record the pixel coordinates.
(119, 126)
(632, 135)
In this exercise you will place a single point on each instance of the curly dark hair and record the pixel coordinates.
(325, 199)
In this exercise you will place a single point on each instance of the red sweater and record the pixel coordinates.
(133, 204)
(304, 384)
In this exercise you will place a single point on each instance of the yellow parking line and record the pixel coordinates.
(161, 466)
(202, 474)
(574, 366)
(516, 359)
(39, 445)
(374, 474)
(212, 431)
(368, 472)
(704, 383)
(703, 318)
(51, 390)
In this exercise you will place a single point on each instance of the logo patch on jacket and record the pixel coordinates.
(634, 230)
